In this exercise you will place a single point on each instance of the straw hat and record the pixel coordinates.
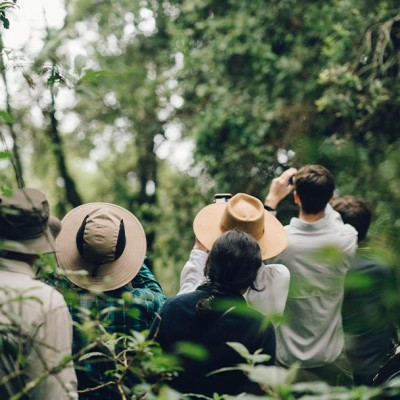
(245, 213)
(106, 241)
(24, 222)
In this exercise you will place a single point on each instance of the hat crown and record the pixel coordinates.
(23, 215)
(245, 213)
(122, 242)
(24, 222)
(100, 236)
(242, 212)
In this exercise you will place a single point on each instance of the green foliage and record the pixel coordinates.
(191, 350)
(5, 154)
(7, 118)
(139, 367)
(4, 6)
(179, 200)
(278, 383)
(318, 78)
(265, 85)
(136, 365)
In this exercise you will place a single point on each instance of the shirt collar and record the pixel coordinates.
(310, 226)
(16, 266)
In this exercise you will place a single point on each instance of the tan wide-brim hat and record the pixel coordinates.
(42, 245)
(110, 275)
(246, 213)
(25, 223)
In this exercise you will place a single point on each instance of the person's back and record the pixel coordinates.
(36, 312)
(369, 294)
(312, 329)
(319, 253)
(36, 327)
(119, 311)
(245, 326)
(214, 314)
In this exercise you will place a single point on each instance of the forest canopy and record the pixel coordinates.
(157, 105)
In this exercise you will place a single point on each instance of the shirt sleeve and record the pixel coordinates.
(192, 274)
(148, 298)
(145, 279)
(272, 284)
(332, 214)
(51, 347)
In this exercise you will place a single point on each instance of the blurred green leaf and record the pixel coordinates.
(6, 117)
(192, 350)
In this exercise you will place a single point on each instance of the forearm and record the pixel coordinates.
(280, 188)
(192, 274)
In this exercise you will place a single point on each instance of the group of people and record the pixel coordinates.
(279, 290)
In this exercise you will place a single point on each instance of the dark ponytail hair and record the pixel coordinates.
(231, 266)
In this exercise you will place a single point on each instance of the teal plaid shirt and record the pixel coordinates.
(131, 307)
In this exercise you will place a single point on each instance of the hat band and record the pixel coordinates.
(23, 232)
(258, 235)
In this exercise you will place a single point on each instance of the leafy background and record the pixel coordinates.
(242, 89)
(157, 105)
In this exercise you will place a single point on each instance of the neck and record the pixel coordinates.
(311, 217)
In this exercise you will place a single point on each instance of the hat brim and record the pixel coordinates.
(206, 226)
(109, 276)
(41, 245)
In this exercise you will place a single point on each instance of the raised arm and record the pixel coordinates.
(192, 274)
(280, 188)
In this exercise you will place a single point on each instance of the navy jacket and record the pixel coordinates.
(230, 320)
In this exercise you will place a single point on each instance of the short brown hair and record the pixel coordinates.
(354, 211)
(314, 185)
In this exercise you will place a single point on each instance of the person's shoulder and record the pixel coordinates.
(186, 297)
(275, 269)
(49, 297)
(346, 229)
(292, 224)
(340, 229)
(148, 293)
(371, 262)
(182, 301)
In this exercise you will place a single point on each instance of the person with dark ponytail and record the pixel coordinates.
(214, 314)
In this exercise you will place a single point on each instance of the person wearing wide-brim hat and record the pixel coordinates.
(246, 213)
(102, 252)
(34, 314)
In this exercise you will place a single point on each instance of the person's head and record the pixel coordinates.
(354, 211)
(314, 186)
(104, 240)
(24, 224)
(242, 212)
(234, 261)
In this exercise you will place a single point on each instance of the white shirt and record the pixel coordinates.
(39, 313)
(318, 257)
(272, 282)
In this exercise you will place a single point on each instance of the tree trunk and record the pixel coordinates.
(147, 172)
(16, 159)
(71, 193)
